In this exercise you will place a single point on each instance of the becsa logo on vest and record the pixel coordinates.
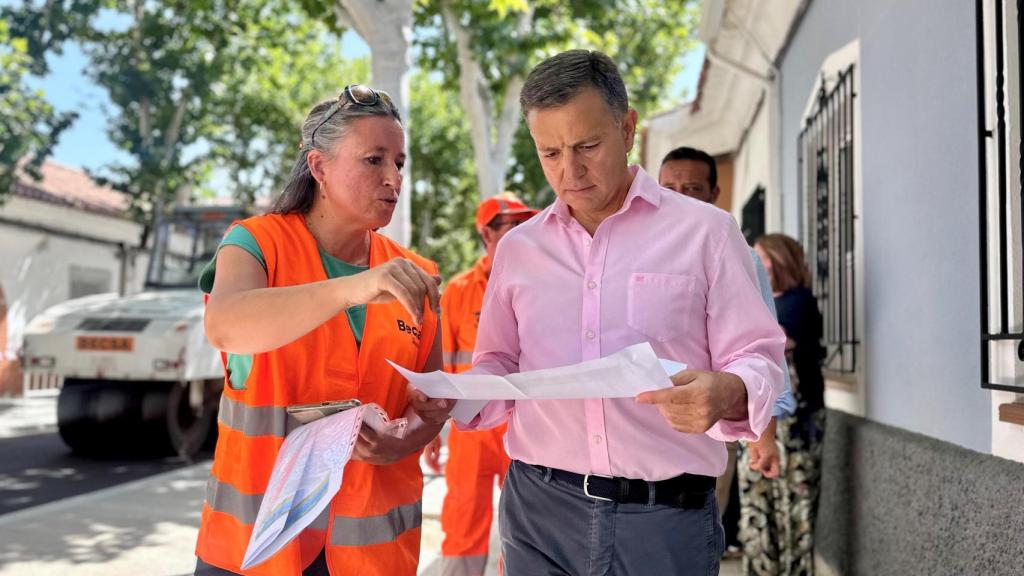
(409, 329)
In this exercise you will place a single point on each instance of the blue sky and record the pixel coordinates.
(85, 144)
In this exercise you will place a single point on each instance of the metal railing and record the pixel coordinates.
(1002, 329)
(826, 173)
(38, 384)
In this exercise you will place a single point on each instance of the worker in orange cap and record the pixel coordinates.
(474, 458)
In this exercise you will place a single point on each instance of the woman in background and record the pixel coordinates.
(777, 515)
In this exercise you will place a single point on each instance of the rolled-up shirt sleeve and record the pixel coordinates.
(497, 346)
(743, 337)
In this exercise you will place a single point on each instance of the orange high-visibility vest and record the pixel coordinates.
(460, 304)
(474, 458)
(372, 526)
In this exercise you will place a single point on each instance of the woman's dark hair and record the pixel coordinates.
(300, 191)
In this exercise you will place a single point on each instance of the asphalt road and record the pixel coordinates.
(37, 469)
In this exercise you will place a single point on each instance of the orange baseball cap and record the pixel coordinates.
(504, 203)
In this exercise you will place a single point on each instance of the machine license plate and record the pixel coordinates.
(105, 343)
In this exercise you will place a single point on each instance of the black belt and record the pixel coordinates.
(685, 491)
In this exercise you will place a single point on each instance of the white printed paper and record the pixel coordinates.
(624, 374)
(308, 473)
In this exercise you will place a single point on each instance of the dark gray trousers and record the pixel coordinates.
(550, 528)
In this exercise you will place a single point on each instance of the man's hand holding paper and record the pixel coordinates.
(698, 399)
(625, 374)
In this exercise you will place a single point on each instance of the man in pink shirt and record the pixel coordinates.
(619, 486)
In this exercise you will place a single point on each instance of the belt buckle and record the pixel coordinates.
(586, 487)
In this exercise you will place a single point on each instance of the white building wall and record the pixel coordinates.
(37, 267)
(752, 168)
(920, 209)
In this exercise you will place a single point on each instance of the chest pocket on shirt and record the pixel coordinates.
(661, 306)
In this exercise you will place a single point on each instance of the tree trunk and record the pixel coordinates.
(492, 137)
(386, 26)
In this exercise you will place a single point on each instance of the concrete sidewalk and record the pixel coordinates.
(24, 416)
(144, 527)
(147, 527)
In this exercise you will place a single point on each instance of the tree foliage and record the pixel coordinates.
(444, 199)
(30, 126)
(258, 120)
(646, 38)
(207, 96)
(203, 86)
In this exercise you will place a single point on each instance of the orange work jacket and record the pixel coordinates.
(460, 305)
(372, 526)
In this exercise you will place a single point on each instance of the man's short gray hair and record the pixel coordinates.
(560, 78)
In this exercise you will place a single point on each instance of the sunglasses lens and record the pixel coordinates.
(498, 223)
(385, 98)
(362, 95)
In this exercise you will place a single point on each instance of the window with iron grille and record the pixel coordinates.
(1000, 173)
(826, 172)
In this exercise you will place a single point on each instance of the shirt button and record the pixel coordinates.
(591, 284)
(597, 439)
(590, 334)
(587, 241)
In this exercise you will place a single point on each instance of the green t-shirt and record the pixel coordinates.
(239, 365)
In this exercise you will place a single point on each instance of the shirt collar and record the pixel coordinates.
(642, 186)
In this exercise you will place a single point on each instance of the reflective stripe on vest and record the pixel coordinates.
(256, 420)
(460, 305)
(458, 357)
(463, 565)
(370, 530)
(224, 497)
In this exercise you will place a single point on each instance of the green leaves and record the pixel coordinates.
(30, 126)
(444, 185)
(503, 7)
(207, 95)
(646, 38)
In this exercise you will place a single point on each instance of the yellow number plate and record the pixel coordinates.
(104, 343)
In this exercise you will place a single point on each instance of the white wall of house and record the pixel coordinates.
(917, 187)
(752, 168)
(920, 216)
(39, 269)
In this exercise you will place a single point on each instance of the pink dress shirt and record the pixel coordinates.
(666, 269)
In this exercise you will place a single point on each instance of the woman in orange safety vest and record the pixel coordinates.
(306, 303)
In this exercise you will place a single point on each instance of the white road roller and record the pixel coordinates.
(138, 373)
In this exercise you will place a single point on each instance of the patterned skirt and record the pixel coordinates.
(777, 515)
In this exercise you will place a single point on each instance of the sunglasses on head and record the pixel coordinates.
(354, 95)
